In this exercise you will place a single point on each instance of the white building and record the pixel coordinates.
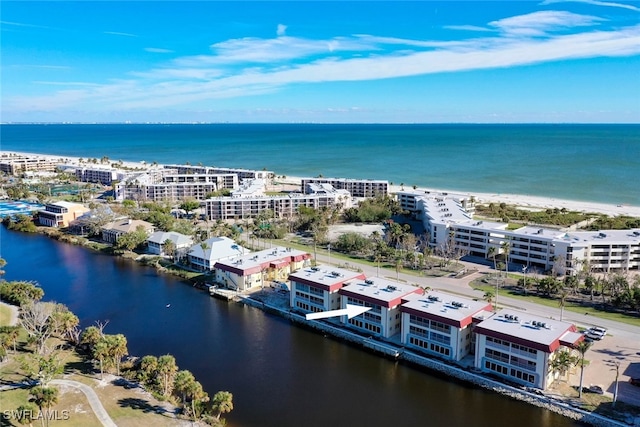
(203, 256)
(519, 346)
(441, 324)
(259, 269)
(283, 206)
(384, 297)
(448, 222)
(315, 289)
(355, 187)
(156, 242)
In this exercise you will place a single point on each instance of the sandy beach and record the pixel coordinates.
(523, 201)
(292, 183)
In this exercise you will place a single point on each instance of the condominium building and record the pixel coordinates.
(384, 297)
(19, 163)
(315, 289)
(355, 187)
(520, 347)
(172, 186)
(259, 269)
(283, 206)
(441, 324)
(449, 225)
(103, 175)
(60, 214)
(242, 174)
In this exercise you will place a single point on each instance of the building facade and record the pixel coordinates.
(520, 347)
(315, 289)
(384, 297)
(259, 269)
(60, 214)
(441, 324)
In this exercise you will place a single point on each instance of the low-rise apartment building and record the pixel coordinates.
(18, 163)
(259, 269)
(441, 324)
(520, 347)
(156, 243)
(60, 214)
(355, 187)
(284, 206)
(315, 289)
(384, 297)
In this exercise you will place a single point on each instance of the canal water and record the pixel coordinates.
(280, 374)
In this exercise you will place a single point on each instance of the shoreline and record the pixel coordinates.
(519, 200)
(292, 183)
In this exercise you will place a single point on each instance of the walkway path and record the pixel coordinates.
(93, 399)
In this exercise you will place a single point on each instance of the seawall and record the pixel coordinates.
(399, 353)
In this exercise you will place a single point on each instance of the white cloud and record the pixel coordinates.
(251, 66)
(157, 50)
(468, 28)
(115, 33)
(540, 23)
(593, 2)
(282, 29)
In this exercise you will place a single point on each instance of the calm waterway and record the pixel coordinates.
(280, 375)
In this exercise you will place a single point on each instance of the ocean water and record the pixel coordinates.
(597, 163)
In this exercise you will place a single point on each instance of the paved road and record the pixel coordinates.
(93, 399)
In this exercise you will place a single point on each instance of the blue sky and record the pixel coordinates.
(328, 61)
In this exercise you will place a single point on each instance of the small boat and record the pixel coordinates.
(168, 305)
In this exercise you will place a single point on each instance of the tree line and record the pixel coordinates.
(50, 327)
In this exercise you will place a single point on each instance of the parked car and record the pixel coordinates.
(634, 381)
(596, 389)
(596, 333)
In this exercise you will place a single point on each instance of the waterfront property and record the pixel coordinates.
(60, 214)
(520, 347)
(315, 289)
(449, 224)
(112, 231)
(157, 241)
(355, 187)
(259, 269)
(283, 206)
(203, 256)
(441, 324)
(19, 163)
(384, 297)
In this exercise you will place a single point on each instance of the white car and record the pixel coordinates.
(596, 333)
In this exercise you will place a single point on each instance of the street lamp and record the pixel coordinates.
(524, 279)
(329, 249)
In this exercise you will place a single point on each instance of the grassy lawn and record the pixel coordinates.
(549, 302)
(127, 407)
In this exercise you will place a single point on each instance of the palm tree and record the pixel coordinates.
(26, 413)
(169, 248)
(491, 253)
(222, 403)
(562, 301)
(506, 249)
(44, 397)
(582, 348)
(167, 370)
(181, 384)
(489, 297)
(563, 362)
